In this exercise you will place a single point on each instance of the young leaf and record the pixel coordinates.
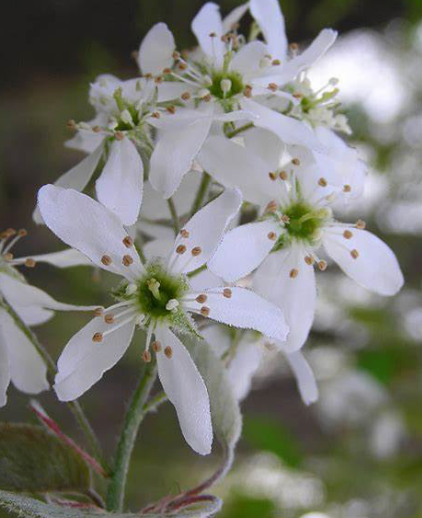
(34, 460)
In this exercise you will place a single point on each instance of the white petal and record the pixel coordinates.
(245, 309)
(157, 248)
(269, 17)
(208, 21)
(376, 268)
(175, 151)
(296, 296)
(156, 50)
(171, 90)
(88, 226)
(234, 17)
(233, 165)
(4, 366)
(78, 177)
(247, 60)
(83, 361)
(28, 371)
(186, 389)
(304, 377)
(243, 249)
(287, 129)
(204, 280)
(266, 145)
(120, 186)
(206, 229)
(243, 366)
(84, 140)
(62, 259)
(218, 337)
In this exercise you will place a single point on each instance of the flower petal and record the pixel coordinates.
(156, 50)
(28, 371)
(266, 145)
(243, 367)
(269, 17)
(83, 361)
(247, 60)
(304, 377)
(233, 165)
(208, 29)
(62, 259)
(294, 295)
(375, 268)
(88, 226)
(243, 249)
(186, 389)
(244, 309)
(4, 365)
(234, 17)
(204, 232)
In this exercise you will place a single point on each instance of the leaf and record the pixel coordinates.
(27, 506)
(34, 460)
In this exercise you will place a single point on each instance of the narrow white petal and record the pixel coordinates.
(156, 50)
(120, 186)
(157, 248)
(304, 377)
(28, 371)
(88, 226)
(245, 309)
(4, 366)
(269, 17)
(205, 231)
(376, 267)
(295, 295)
(86, 141)
(186, 389)
(234, 17)
(243, 367)
(243, 249)
(266, 145)
(208, 29)
(247, 60)
(83, 361)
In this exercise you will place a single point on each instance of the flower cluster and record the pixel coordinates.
(236, 121)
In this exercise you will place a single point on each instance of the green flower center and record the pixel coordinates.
(226, 85)
(304, 221)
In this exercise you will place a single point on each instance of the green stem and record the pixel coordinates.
(155, 402)
(174, 216)
(241, 129)
(133, 419)
(200, 195)
(74, 406)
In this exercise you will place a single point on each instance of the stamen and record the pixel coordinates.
(109, 318)
(97, 337)
(309, 260)
(98, 312)
(272, 236)
(272, 87)
(106, 260)
(168, 351)
(8, 257)
(172, 304)
(128, 241)
(119, 135)
(273, 176)
(167, 71)
(196, 251)
(283, 175)
(207, 98)
(156, 346)
(227, 292)
(322, 182)
(271, 207)
(171, 109)
(354, 253)
(146, 356)
(30, 263)
(71, 124)
(347, 188)
(322, 265)
(185, 96)
(347, 234)
(294, 273)
(296, 161)
(276, 62)
(155, 115)
(154, 287)
(184, 233)
(181, 249)
(201, 298)
(127, 260)
(360, 224)
(205, 311)
(247, 92)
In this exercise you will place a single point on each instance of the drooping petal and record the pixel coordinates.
(28, 371)
(88, 226)
(208, 29)
(240, 307)
(366, 259)
(203, 232)
(293, 292)
(62, 259)
(78, 177)
(269, 17)
(186, 389)
(156, 50)
(287, 129)
(247, 60)
(120, 186)
(243, 367)
(304, 377)
(84, 361)
(4, 366)
(234, 17)
(233, 165)
(243, 249)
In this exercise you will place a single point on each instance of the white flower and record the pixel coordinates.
(19, 360)
(296, 221)
(142, 300)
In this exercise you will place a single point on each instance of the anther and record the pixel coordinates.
(167, 71)
(207, 98)
(227, 292)
(8, 257)
(22, 232)
(96, 129)
(272, 176)
(30, 263)
(183, 66)
(127, 260)
(109, 318)
(155, 115)
(201, 298)
(347, 234)
(184, 233)
(156, 346)
(148, 76)
(97, 337)
(309, 260)
(297, 95)
(294, 46)
(322, 182)
(354, 253)
(322, 265)
(294, 273)
(271, 207)
(285, 218)
(146, 356)
(196, 251)
(296, 161)
(276, 62)
(212, 34)
(171, 109)
(181, 249)
(272, 87)
(347, 188)
(168, 351)
(10, 232)
(272, 236)
(119, 135)
(71, 124)
(205, 311)
(98, 312)
(106, 260)
(185, 96)
(176, 55)
(158, 79)
(128, 241)
(247, 92)
(283, 175)
(360, 224)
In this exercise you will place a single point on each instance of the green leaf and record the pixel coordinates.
(34, 460)
(27, 506)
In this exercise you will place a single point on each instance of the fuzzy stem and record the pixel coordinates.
(200, 195)
(174, 216)
(133, 419)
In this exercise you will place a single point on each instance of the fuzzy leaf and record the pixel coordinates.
(34, 460)
(29, 507)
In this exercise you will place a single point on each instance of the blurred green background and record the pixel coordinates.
(357, 453)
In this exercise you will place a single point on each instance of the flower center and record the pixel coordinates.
(226, 85)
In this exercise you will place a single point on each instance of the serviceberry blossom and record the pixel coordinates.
(155, 296)
(295, 224)
(20, 362)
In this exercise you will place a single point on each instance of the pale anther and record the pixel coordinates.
(168, 351)
(360, 224)
(201, 298)
(322, 265)
(30, 263)
(196, 251)
(294, 273)
(97, 337)
(109, 318)
(127, 260)
(172, 304)
(227, 292)
(354, 253)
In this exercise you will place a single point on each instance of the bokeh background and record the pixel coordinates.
(357, 453)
